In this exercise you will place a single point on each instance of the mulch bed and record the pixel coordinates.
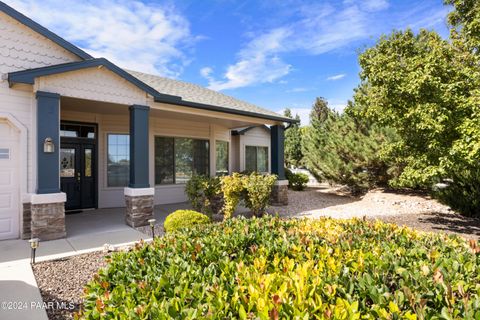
(61, 281)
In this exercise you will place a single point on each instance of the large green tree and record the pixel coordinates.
(342, 149)
(293, 142)
(428, 89)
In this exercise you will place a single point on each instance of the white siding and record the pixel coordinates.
(235, 154)
(254, 137)
(22, 48)
(99, 84)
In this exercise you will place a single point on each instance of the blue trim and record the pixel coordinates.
(48, 126)
(277, 151)
(139, 176)
(28, 76)
(243, 131)
(196, 105)
(43, 31)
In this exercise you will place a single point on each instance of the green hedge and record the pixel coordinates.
(291, 269)
(184, 219)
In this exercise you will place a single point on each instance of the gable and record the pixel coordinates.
(94, 83)
(22, 48)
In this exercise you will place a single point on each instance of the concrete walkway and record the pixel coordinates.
(88, 231)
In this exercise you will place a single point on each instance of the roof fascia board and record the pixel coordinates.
(167, 99)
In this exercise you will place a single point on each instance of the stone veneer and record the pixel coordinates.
(48, 220)
(279, 196)
(27, 221)
(138, 210)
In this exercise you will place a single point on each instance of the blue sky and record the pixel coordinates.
(275, 54)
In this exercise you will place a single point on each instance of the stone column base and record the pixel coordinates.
(26, 230)
(48, 216)
(279, 195)
(139, 206)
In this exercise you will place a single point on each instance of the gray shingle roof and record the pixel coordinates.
(195, 93)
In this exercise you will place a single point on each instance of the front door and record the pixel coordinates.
(78, 170)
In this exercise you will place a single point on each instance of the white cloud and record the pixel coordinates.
(299, 89)
(258, 63)
(336, 77)
(319, 28)
(206, 72)
(370, 5)
(146, 37)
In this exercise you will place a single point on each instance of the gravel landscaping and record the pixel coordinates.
(62, 281)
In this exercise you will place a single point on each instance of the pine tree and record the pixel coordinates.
(341, 149)
(293, 142)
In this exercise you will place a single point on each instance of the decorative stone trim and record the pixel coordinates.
(137, 192)
(48, 220)
(139, 209)
(279, 196)
(26, 221)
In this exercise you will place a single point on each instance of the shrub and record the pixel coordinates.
(184, 219)
(291, 269)
(258, 189)
(232, 188)
(296, 181)
(462, 191)
(205, 194)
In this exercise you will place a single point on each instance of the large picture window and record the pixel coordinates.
(256, 159)
(177, 159)
(221, 162)
(118, 163)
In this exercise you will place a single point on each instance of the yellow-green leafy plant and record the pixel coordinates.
(258, 188)
(184, 219)
(232, 189)
(269, 268)
(205, 194)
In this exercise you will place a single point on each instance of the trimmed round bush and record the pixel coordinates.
(270, 268)
(184, 219)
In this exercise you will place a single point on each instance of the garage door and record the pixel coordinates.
(9, 181)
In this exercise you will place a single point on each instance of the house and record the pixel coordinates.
(80, 132)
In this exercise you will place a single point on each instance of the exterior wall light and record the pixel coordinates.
(34, 245)
(48, 145)
(152, 226)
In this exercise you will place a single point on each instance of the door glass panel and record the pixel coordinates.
(67, 162)
(88, 162)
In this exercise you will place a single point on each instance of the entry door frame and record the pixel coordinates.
(85, 141)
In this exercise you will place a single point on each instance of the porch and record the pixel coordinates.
(86, 232)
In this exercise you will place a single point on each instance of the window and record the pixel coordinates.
(221, 158)
(69, 130)
(67, 162)
(4, 153)
(256, 159)
(177, 159)
(118, 164)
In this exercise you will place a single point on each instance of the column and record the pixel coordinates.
(47, 206)
(280, 189)
(139, 197)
